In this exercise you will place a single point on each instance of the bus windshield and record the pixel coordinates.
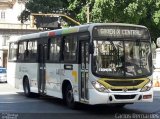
(121, 58)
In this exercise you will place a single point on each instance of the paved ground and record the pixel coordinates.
(14, 105)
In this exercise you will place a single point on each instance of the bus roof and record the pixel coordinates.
(81, 28)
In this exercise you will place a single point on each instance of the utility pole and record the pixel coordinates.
(88, 13)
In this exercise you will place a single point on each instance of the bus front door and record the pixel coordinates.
(84, 56)
(42, 68)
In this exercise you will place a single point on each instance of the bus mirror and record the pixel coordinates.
(158, 42)
(91, 48)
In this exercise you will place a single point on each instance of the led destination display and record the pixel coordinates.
(120, 32)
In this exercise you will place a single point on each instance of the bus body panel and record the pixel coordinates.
(30, 71)
(23, 69)
(56, 73)
(11, 73)
(53, 86)
(96, 97)
(70, 72)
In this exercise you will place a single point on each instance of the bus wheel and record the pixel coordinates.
(69, 97)
(26, 88)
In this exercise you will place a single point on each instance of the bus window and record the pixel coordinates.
(21, 50)
(121, 58)
(54, 49)
(13, 52)
(70, 48)
(32, 50)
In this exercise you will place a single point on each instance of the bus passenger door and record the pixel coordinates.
(84, 59)
(42, 68)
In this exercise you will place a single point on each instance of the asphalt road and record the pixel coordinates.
(14, 105)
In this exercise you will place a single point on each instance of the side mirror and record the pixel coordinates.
(158, 42)
(91, 48)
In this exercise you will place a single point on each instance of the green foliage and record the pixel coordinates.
(77, 10)
(128, 11)
(24, 16)
(143, 12)
(44, 6)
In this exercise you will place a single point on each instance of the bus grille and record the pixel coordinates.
(124, 83)
(124, 96)
(134, 89)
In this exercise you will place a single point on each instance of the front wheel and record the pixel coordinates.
(69, 97)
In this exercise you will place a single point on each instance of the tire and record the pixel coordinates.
(26, 88)
(69, 98)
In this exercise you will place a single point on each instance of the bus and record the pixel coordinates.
(98, 63)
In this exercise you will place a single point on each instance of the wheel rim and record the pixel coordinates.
(26, 89)
(69, 96)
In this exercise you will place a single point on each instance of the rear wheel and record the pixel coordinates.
(69, 98)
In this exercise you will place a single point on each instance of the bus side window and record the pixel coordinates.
(32, 50)
(13, 51)
(70, 48)
(21, 50)
(54, 49)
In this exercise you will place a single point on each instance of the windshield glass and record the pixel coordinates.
(121, 58)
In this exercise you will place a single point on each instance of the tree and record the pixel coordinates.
(24, 16)
(129, 11)
(42, 6)
(143, 12)
(78, 8)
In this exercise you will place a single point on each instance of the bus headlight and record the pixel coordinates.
(99, 87)
(147, 87)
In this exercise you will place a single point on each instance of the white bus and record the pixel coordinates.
(99, 63)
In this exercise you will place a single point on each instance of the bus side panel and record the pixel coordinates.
(70, 72)
(52, 77)
(30, 71)
(11, 73)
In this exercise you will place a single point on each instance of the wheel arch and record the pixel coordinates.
(25, 77)
(65, 83)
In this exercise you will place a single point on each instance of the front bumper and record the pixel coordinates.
(96, 97)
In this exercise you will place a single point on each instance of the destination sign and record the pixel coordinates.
(120, 32)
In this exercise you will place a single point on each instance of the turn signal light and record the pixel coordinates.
(147, 96)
